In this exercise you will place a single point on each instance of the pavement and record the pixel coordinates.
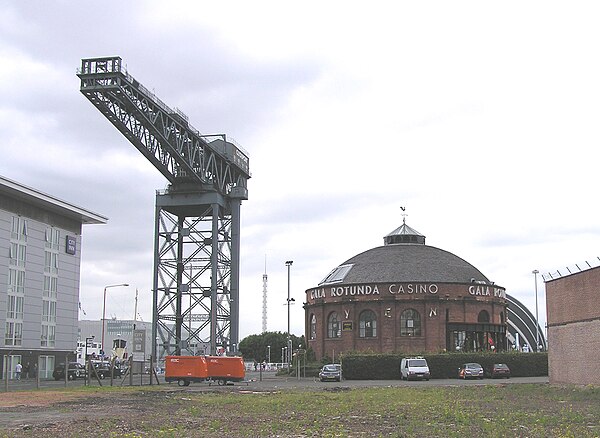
(268, 380)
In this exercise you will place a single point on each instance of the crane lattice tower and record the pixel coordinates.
(197, 218)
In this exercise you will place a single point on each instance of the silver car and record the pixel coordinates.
(470, 371)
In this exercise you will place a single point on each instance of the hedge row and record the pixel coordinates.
(357, 366)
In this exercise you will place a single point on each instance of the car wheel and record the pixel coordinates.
(182, 382)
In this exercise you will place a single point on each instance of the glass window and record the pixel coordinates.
(52, 238)
(14, 307)
(337, 274)
(16, 281)
(19, 228)
(46, 366)
(48, 337)
(17, 254)
(334, 328)
(410, 323)
(313, 327)
(14, 333)
(50, 286)
(367, 324)
(483, 316)
(49, 311)
(50, 262)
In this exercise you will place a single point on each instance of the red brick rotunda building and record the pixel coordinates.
(405, 297)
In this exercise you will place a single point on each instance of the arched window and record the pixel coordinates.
(483, 316)
(313, 326)
(367, 324)
(334, 328)
(410, 323)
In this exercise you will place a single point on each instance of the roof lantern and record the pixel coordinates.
(404, 234)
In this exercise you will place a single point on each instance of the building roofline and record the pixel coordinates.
(38, 198)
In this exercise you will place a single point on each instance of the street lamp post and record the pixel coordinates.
(289, 301)
(104, 310)
(268, 354)
(537, 324)
(87, 368)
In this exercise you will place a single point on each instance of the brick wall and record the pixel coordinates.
(574, 328)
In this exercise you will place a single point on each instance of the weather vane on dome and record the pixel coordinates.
(403, 214)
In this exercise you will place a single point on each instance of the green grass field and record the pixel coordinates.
(497, 410)
(491, 411)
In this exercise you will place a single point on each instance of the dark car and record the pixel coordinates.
(499, 370)
(331, 372)
(102, 368)
(75, 371)
(470, 370)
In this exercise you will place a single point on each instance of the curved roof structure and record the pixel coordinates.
(410, 263)
(405, 258)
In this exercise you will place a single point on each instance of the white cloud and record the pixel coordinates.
(480, 118)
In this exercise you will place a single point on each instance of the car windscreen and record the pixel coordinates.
(417, 363)
(331, 368)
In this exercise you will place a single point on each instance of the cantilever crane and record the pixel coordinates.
(197, 219)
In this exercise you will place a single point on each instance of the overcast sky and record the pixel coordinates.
(480, 118)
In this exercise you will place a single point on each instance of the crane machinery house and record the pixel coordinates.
(40, 255)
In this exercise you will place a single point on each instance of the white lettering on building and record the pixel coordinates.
(352, 290)
(411, 288)
(486, 291)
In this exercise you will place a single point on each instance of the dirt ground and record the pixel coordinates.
(134, 411)
(79, 414)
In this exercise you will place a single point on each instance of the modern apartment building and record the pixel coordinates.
(40, 255)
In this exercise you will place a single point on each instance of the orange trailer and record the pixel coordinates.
(225, 369)
(187, 369)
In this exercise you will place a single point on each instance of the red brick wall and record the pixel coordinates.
(574, 353)
(574, 328)
(451, 299)
(573, 298)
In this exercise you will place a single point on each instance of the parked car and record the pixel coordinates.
(499, 370)
(103, 369)
(412, 368)
(75, 371)
(470, 370)
(331, 372)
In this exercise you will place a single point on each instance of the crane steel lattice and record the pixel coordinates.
(197, 219)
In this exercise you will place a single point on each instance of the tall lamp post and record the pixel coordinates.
(289, 301)
(537, 324)
(268, 354)
(88, 342)
(104, 310)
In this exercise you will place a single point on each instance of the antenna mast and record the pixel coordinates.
(264, 310)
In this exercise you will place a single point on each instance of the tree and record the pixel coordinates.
(256, 347)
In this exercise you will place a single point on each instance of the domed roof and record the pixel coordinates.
(404, 263)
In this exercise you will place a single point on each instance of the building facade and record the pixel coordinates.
(574, 327)
(136, 334)
(40, 256)
(406, 297)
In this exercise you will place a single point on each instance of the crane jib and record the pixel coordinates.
(164, 135)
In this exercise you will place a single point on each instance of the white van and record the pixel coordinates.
(412, 368)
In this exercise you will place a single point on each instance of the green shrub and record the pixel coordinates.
(360, 366)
